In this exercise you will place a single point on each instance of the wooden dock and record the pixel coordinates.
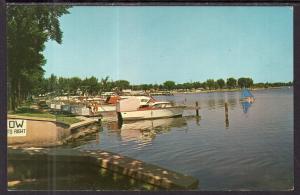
(136, 169)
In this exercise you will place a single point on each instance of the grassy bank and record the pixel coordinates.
(30, 112)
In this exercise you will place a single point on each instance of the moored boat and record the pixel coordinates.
(131, 109)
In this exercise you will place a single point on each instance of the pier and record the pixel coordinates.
(148, 173)
(47, 132)
(56, 133)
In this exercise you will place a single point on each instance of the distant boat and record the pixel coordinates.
(247, 96)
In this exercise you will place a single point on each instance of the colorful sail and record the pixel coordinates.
(246, 93)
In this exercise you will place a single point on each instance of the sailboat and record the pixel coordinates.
(247, 96)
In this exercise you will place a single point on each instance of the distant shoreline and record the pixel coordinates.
(221, 90)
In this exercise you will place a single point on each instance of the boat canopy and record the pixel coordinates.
(246, 93)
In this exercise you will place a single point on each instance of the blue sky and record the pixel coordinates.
(183, 44)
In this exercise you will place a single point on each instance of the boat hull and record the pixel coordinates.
(151, 114)
(106, 108)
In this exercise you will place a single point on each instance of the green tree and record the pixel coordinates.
(196, 85)
(204, 85)
(245, 82)
(260, 85)
(169, 85)
(221, 83)
(63, 85)
(231, 83)
(249, 82)
(179, 86)
(74, 84)
(104, 84)
(122, 84)
(111, 85)
(91, 85)
(52, 83)
(28, 28)
(210, 83)
(146, 86)
(187, 85)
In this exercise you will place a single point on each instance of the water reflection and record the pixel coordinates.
(232, 101)
(211, 103)
(221, 102)
(147, 130)
(246, 105)
(221, 160)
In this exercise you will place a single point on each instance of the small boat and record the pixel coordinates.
(247, 96)
(132, 109)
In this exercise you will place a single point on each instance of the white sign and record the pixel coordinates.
(16, 127)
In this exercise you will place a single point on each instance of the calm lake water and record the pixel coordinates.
(253, 152)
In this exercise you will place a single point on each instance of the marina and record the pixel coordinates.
(206, 143)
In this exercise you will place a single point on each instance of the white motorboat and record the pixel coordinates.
(131, 109)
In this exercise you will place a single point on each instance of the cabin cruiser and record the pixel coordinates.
(143, 107)
(111, 102)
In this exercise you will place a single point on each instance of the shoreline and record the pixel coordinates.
(218, 90)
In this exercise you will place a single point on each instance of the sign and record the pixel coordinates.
(16, 127)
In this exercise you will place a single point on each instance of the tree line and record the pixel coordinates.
(93, 86)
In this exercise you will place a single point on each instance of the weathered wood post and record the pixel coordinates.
(97, 138)
(226, 114)
(197, 109)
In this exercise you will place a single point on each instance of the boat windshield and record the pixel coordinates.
(162, 105)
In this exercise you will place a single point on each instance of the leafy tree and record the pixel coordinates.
(111, 85)
(169, 85)
(204, 85)
(28, 28)
(267, 85)
(63, 85)
(221, 83)
(42, 87)
(74, 84)
(187, 85)
(179, 86)
(52, 83)
(210, 83)
(122, 84)
(146, 86)
(245, 82)
(231, 83)
(249, 82)
(160, 87)
(104, 86)
(260, 85)
(196, 85)
(91, 85)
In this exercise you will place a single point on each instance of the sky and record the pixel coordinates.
(189, 43)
